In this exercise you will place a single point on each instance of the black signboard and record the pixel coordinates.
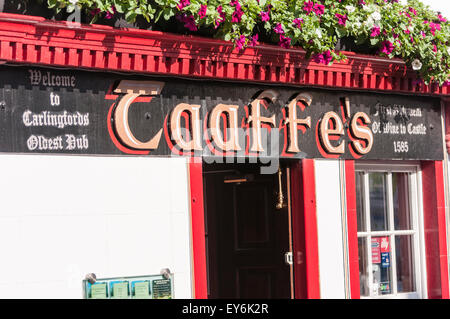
(82, 112)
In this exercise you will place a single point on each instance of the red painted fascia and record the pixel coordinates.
(34, 40)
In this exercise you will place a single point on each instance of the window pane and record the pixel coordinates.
(381, 266)
(363, 270)
(402, 220)
(378, 207)
(405, 265)
(361, 219)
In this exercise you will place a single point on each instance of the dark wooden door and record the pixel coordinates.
(247, 236)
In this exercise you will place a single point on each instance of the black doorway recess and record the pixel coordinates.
(247, 237)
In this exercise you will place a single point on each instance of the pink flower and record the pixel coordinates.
(222, 16)
(264, 16)
(110, 15)
(240, 42)
(434, 27)
(362, 2)
(308, 7)
(285, 42)
(387, 47)
(441, 18)
(189, 22)
(183, 3)
(342, 19)
(327, 57)
(298, 22)
(318, 58)
(319, 9)
(324, 57)
(254, 41)
(413, 11)
(202, 11)
(435, 48)
(278, 29)
(375, 32)
(237, 14)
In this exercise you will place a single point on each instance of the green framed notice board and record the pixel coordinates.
(137, 287)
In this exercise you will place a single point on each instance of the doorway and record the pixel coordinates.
(248, 232)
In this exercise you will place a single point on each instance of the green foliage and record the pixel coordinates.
(410, 31)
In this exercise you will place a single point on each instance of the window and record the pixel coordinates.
(389, 231)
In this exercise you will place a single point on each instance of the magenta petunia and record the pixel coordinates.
(327, 57)
(264, 16)
(240, 42)
(324, 57)
(222, 16)
(308, 7)
(254, 41)
(387, 47)
(298, 22)
(110, 15)
(375, 31)
(441, 18)
(236, 17)
(342, 19)
(285, 42)
(189, 22)
(202, 11)
(318, 58)
(319, 9)
(434, 27)
(278, 29)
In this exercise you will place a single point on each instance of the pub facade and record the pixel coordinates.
(253, 174)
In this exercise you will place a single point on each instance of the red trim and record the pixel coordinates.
(305, 236)
(435, 229)
(198, 229)
(352, 229)
(34, 40)
(311, 233)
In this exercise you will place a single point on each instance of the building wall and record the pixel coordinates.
(330, 229)
(65, 216)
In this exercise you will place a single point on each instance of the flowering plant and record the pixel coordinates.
(404, 29)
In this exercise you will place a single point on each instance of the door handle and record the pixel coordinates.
(288, 258)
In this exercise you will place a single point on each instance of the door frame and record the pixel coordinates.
(304, 230)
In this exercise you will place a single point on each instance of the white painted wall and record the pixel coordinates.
(329, 225)
(62, 217)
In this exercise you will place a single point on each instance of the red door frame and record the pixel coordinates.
(304, 230)
(198, 240)
(434, 229)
